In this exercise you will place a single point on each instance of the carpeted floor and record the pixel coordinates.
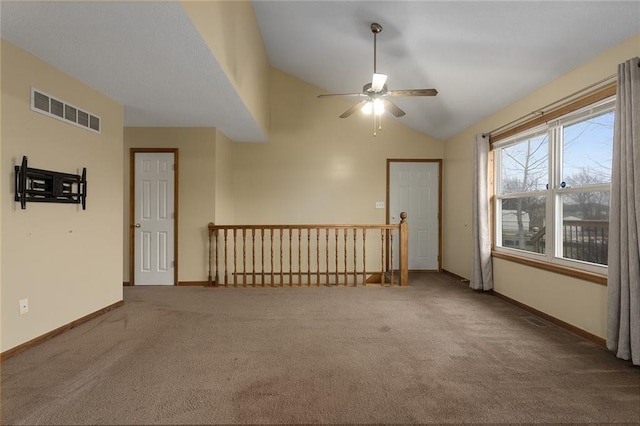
(435, 352)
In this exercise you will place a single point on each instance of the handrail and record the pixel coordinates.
(585, 240)
(307, 254)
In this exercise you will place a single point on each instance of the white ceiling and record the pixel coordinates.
(480, 55)
(147, 55)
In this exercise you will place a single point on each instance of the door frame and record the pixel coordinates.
(419, 160)
(132, 201)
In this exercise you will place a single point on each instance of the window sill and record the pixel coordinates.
(571, 272)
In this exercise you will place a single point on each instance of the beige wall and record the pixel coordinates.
(196, 202)
(65, 260)
(224, 213)
(318, 168)
(231, 31)
(576, 302)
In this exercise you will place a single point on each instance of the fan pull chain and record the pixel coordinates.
(377, 124)
(374, 125)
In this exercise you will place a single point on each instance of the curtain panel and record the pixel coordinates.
(482, 273)
(623, 315)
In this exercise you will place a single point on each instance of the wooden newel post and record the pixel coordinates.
(210, 282)
(404, 250)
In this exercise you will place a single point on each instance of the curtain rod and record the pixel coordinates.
(541, 111)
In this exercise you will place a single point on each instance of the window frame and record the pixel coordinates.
(602, 101)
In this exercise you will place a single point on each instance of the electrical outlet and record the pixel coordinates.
(379, 204)
(24, 306)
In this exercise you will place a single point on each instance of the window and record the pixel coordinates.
(552, 189)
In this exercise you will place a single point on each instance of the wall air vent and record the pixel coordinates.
(48, 105)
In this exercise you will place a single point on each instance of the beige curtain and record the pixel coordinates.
(623, 317)
(482, 273)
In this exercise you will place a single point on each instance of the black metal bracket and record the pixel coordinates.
(44, 186)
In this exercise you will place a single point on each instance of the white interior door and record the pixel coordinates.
(154, 218)
(414, 188)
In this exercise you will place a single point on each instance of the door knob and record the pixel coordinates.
(137, 225)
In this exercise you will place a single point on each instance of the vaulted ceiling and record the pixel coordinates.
(481, 56)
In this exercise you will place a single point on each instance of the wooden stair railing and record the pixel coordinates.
(306, 255)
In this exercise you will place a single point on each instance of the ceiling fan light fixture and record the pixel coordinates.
(367, 108)
(373, 106)
(378, 106)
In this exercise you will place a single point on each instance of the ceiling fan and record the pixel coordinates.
(375, 94)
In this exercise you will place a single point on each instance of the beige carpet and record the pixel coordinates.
(435, 352)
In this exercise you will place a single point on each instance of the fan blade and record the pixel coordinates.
(378, 81)
(329, 95)
(393, 108)
(414, 92)
(353, 109)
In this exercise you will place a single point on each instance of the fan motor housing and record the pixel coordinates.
(366, 89)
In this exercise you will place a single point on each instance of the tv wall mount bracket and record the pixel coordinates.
(45, 186)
